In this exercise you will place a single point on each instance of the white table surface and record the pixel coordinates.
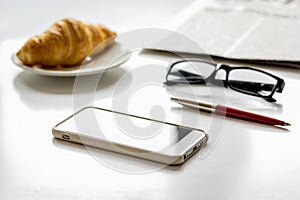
(243, 160)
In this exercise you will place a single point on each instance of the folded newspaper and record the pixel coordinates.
(254, 30)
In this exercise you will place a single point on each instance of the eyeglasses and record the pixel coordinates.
(246, 80)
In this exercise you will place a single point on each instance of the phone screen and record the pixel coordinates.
(123, 129)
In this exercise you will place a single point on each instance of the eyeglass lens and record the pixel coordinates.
(251, 81)
(190, 71)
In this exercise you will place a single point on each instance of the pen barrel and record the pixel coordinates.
(240, 114)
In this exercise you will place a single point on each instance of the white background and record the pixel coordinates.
(249, 161)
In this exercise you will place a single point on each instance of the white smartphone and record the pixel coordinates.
(131, 135)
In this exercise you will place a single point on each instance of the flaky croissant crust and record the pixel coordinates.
(66, 43)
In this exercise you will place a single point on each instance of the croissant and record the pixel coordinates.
(66, 43)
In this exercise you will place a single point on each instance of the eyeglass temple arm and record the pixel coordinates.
(185, 74)
(252, 86)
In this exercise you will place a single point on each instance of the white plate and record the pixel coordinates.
(92, 64)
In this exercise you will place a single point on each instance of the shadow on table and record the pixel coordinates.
(228, 97)
(44, 91)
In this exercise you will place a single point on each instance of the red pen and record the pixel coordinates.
(230, 112)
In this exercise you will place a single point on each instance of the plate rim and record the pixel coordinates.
(61, 73)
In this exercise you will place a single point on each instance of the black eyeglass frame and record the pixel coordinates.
(220, 66)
